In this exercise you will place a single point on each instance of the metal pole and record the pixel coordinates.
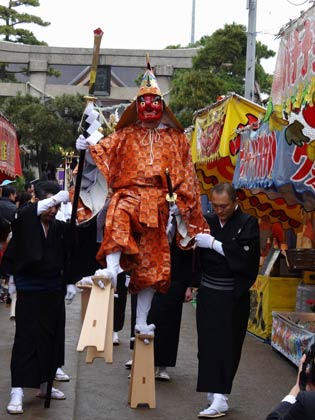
(192, 38)
(251, 50)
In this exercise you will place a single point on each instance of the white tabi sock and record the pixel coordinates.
(144, 299)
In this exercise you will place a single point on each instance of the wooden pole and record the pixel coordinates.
(98, 33)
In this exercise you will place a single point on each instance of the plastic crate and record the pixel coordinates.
(292, 333)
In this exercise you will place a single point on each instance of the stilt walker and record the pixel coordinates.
(139, 220)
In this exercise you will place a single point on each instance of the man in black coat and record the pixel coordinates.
(36, 256)
(297, 405)
(229, 262)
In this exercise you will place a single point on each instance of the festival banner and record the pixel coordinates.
(257, 202)
(293, 84)
(10, 164)
(207, 133)
(294, 164)
(255, 164)
(216, 128)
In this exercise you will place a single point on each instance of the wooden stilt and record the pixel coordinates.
(85, 296)
(97, 329)
(142, 380)
(107, 353)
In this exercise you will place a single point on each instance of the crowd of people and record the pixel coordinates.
(152, 240)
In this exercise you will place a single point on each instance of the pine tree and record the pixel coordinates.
(12, 19)
(12, 33)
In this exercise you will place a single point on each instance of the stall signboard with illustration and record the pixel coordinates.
(293, 97)
(293, 84)
(256, 159)
(216, 143)
(216, 128)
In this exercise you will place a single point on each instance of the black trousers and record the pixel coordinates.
(39, 340)
(120, 302)
(166, 314)
(221, 325)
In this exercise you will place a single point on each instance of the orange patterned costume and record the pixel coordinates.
(133, 160)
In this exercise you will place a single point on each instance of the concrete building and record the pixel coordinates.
(119, 70)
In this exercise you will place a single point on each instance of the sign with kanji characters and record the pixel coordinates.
(10, 163)
(255, 165)
(294, 78)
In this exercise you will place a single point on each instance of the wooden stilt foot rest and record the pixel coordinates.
(98, 318)
(142, 380)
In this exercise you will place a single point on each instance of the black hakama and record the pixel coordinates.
(38, 348)
(223, 299)
(221, 325)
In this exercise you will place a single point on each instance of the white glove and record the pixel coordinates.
(71, 292)
(85, 281)
(47, 203)
(81, 143)
(106, 273)
(61, 197)
(11, 288)
(204, 240)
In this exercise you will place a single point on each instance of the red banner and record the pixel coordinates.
(10, 163)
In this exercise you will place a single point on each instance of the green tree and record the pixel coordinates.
(11, 31)
(192, 90)
(47, 129)
(218, 68)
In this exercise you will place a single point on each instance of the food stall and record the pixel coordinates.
(218, 142)
(292, 173)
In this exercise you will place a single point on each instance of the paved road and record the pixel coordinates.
(99, 391)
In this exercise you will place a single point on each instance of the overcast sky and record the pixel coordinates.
(143, 24)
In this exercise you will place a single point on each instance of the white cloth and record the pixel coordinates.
(290, 399)
(64, 213)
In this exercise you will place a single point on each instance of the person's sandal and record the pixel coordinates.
(61, 376)
(218, 408)
(56, 394)
(162, 375)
